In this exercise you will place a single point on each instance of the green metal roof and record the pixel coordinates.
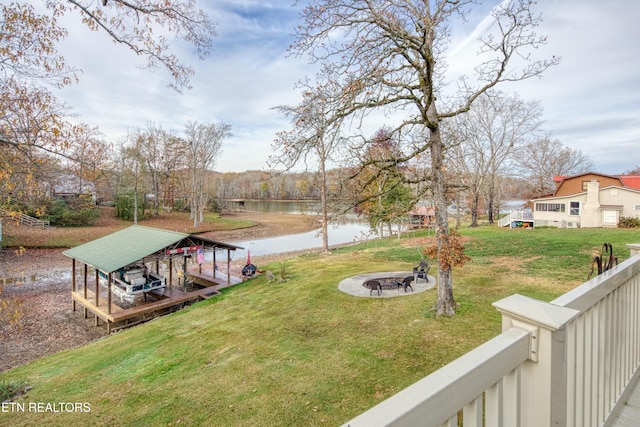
(119, 249)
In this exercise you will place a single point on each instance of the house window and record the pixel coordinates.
(574, 208)
(637, 207)
(585, 184)
(550, 207)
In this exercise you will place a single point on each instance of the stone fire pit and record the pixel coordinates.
(355, 285)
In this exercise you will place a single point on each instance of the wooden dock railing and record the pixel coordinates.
(569, 362)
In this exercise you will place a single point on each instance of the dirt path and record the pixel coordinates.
(37, 282)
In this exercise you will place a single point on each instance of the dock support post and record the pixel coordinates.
(86, 272)
(213, 267)
(97, 289)
(85, 281)
(73, 283)
(109, 295)
(170, 272)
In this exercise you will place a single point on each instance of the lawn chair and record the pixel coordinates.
(406, 283)
(373, 285)
(421, 271)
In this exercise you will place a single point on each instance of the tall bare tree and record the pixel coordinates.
(130, 176)
(204, 143)
(390, 56)
(313, 140)
(491, 133)
(149, 149)
(542, 159)
(159, 149)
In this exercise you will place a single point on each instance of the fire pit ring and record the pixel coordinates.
(358, 286)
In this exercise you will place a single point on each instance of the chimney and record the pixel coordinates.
(590, 215)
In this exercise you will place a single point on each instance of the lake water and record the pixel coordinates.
(346, 233)
(349, 229)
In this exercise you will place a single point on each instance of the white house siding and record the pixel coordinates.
(559, 219)
(612, 203)
(620, 197)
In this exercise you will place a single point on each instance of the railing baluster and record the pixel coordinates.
(451, 422)
(493, 398)
(511, 395)
(608, 353)
(580, 370)
(572, 375)
(589, 373)
(472, 413)
(635, 321)
(598, 342)
(615, 360)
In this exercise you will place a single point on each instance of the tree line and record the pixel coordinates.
(44, 153)
(382, 126)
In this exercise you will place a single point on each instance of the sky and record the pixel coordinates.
(591, 100)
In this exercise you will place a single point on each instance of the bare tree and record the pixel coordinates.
(389, 56)
(468, 167)
(204, 143)
(157, 148)
(173, 149)
(634, 171)
(129, 169)
(542, 159)
(491, 132)
(314, 138)
(29, 38)
(29, 60)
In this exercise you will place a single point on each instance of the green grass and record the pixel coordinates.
(302, 352)
(68, 237)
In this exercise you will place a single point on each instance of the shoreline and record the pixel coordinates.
(47, 324)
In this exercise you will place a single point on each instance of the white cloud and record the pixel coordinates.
(591, 100)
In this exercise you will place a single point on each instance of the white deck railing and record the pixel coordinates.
(564, 363)
(515, 216)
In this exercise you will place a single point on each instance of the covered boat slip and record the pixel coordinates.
(140, 261)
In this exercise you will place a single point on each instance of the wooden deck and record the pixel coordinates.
(219, 282)
(170, 300)
(629, 413)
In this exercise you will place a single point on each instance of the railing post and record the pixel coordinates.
(544, 375)
(634, 248)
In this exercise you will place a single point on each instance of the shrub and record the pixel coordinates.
(124, 207)
(79, 211)
(630, 222)
(11, 389)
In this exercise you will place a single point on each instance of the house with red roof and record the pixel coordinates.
(588, 200)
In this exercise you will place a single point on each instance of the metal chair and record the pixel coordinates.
(421, 271)
(406, 283)
(373, 285)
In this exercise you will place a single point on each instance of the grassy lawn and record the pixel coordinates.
(301, 352)
(15, 235)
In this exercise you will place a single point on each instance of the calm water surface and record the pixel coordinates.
(349, 229)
